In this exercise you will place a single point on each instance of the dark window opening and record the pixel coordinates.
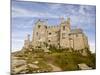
(63, 27)
(49, 33)
(49, 41)
(46, 27)
(56, 32)
(58, 43)
(70, 38)
(69, 34)
(39, 26)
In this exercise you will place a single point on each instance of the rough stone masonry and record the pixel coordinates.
(60, 36)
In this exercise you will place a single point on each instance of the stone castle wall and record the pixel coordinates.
(59, 36)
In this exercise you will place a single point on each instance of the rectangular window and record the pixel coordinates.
(46, 27)
(38, 26)
(49, 41)
(63, 27)
(70, 38)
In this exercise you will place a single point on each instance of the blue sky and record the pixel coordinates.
(25, 14)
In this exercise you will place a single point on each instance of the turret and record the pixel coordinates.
(39, 33)
(65, 24)
(27, 41)
(64, 31)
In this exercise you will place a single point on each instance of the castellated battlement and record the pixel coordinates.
(55, 26)
(60, 36)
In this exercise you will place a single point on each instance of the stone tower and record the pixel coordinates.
(64, 31)
(39, 34)
(78, 40)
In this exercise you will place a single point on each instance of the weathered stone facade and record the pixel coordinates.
(60, 36)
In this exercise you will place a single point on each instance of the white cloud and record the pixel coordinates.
(20, 12)
(54, 6)
(24, 25)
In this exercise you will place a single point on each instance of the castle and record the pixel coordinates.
(60, 36)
